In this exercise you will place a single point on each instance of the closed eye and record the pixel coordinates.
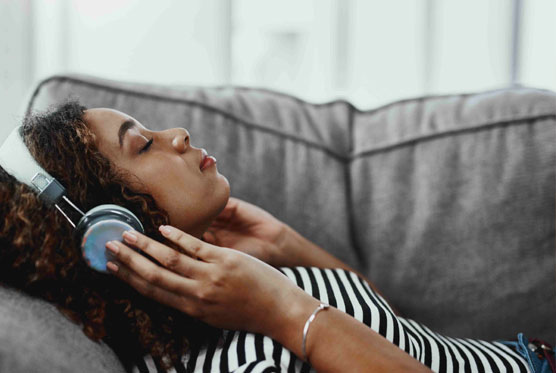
(146, 147)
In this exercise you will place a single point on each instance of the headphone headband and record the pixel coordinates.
(16, 159)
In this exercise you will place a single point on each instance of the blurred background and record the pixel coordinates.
(370, 52)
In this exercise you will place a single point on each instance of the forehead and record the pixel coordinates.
(104, 119)
(105, 124)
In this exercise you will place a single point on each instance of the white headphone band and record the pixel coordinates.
(16, 159)
(100, 224)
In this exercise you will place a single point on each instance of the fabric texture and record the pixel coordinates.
(35, 337)
(447, 203)
(238, 351)
(453, 199)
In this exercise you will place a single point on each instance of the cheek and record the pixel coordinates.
(175, 186)
(174, 189)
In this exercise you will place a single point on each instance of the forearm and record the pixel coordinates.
(336, 342)
(302, 252)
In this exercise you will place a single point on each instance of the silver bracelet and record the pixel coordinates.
(321, 306)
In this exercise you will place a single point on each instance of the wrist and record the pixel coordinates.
(285, 252)
(293, 249)
(287, 327)
(299, 251)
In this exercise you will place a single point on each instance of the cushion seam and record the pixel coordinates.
(384, 106)
(455, 132)
(362, 259)
(419, 99)
(208, 107)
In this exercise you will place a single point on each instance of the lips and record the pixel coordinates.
(206, 160)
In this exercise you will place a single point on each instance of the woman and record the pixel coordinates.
(105, 156)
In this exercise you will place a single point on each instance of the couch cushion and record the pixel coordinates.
(35, 337)
(453, 197)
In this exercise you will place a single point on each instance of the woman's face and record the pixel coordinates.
(168, 168)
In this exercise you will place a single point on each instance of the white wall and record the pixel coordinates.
(538, 57)
(472, 43)
(165, 41)
(16, 60)
(370, 52)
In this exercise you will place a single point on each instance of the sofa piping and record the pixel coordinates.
(343, 158)
(434, 136)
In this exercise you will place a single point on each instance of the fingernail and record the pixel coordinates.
(164, 229)
(112, 267)
(110, 245)
(130, 237)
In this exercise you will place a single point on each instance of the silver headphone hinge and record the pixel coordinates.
(66, 215)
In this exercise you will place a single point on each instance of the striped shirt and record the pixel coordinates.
(242, 352)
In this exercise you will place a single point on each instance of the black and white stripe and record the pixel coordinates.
(242, 352)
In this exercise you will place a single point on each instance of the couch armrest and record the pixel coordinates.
(36, 337)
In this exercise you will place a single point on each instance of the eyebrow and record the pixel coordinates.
(123, 129)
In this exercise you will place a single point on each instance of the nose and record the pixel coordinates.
(180, 142)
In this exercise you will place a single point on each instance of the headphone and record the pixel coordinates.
(95, 227)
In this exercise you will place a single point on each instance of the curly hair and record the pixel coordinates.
(40, 256)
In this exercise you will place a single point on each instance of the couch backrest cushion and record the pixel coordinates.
(455, 198)
(445, 202)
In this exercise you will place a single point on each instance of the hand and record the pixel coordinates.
(245, 227)
(222, 287)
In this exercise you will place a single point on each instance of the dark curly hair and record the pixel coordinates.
(39, 255)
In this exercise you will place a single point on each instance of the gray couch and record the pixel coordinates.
(447, 203)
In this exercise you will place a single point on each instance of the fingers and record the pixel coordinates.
(152, 274)
(168, 257)
(149, 290)
(191, 245)
(210, 237)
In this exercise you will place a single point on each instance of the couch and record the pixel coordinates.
(446, 202)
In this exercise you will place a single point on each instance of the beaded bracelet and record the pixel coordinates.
(321, 306)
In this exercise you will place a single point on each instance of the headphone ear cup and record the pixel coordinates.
(98, 226)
